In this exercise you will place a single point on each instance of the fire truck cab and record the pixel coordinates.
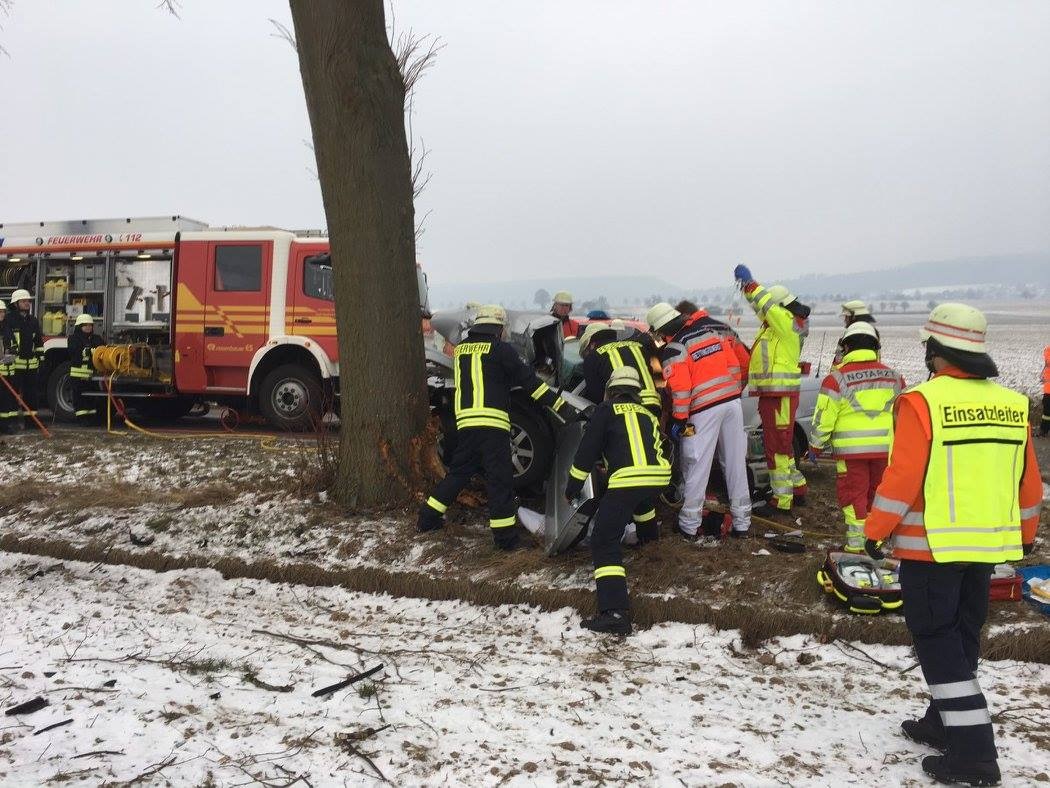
(189, 313)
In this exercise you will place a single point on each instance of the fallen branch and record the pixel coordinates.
(345, 682)
(52, 726)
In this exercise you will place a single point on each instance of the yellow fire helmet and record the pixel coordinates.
(84, 319)
(20, 295)
(490, 315)
(624, 377)
(958, 326)
(781, 295)
(659, 315)
(860, 327)
(854, 308)
(563, 297)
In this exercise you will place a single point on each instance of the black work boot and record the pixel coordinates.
(507, 539)
(975, 773)
(685, 536)
(612, 622)
(429, 520)
(735, 534)
(922, 731)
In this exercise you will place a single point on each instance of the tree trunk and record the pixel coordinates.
(355, 97)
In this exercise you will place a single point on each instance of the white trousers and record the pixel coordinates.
(718, 428)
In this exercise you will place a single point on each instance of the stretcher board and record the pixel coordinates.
(565, 521)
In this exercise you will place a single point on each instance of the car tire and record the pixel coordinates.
(59, 393)
(532, 448)
(290, 398)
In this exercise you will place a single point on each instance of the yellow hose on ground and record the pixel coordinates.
(266, 442)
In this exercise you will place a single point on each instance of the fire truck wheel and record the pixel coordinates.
(60, 393)
(290, 397)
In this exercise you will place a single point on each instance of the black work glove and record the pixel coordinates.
(1026, 549)
(568, 413)
(874, 549)
(572, 489)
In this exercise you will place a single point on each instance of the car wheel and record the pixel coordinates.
(60, 393)
(531, 446)
(290, 397)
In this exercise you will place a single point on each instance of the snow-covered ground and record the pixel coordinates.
(184, 678)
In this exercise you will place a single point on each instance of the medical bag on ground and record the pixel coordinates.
(1005, 585)
(861, 583)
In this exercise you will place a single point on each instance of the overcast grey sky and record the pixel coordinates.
(675, 138)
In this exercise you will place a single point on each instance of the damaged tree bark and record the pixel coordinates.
(355, 97)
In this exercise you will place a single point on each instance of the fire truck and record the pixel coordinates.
(192, 313)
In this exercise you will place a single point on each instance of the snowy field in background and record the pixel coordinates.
(183, 678)
(1017, 350)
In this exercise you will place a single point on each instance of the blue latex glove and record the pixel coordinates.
(813, 454)
(678, 429)
(743, 274)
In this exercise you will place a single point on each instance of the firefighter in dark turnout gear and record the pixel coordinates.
(604, 352)
(29, 347)
(8, 409)
(486, 369)
(80, 344)
(626, 435)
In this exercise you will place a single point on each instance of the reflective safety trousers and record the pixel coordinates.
(854, 410)
(774, 367)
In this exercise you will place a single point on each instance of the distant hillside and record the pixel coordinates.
(993, 276)
(521, 293)
(1011, 271)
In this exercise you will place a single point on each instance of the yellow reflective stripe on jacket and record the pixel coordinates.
(503, 522)
(81, 373)
(475, 414)
(436, 505)
(858, 417)
(611, 350)
(977, 454)
(609, 571)
(577, 474)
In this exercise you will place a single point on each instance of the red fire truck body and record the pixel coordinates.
(239, 316)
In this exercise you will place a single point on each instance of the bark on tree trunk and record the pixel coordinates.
(355, 97)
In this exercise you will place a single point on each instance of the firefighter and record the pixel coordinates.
(29, 347)
(854, 416)
(627, 435)
(80, 344)
(775, 377)
(8, 408)
(486, 369)
(562, 309)
(1044, 422)
(703, 365)
(962, 493)
(604, 352)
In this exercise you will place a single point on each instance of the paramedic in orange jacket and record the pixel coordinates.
(962, 492)
(1044, 423)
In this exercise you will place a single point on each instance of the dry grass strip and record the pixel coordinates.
(755, 623)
